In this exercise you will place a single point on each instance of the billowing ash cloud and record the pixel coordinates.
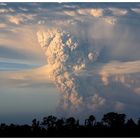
(66, 59)
(85, 85)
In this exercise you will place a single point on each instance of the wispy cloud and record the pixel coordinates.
(2, 25)
(136, 10)
(118, 11)
(6, 10)
(20, 18)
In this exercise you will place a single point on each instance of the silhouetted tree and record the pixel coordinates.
(114, 119)
(35, 127)
(77, 123)
(139, 122)
(70, 122)
(90, 121)
(131, 124)
(49, 121)
(35, 123)
(3, 126)
(60, 123)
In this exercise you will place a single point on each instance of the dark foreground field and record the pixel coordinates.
(111, 125)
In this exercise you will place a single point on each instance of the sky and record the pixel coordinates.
(66, 59)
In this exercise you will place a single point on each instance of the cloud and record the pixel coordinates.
(121, 67)
(65, 58)
(137, 90)
(119, 106)
(104, 77)
(23, 9)
(136, 10)
(70, 68)
(92, 12)
(2, 25)
(6, 10)
(70, 6)
(96, 12)
(3, 4)
(16, 20)
(118, 68)
(89, 55)
(96, 102)
(41, 22)
(20, 18)
(25, 78)
(110, 20)
(70, 13)
(118, 11)
(21, 47)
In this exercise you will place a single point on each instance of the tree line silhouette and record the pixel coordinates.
(111, 125)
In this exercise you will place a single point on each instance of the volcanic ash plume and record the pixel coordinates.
(66, 58)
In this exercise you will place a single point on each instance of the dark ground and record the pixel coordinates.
(112, 125)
